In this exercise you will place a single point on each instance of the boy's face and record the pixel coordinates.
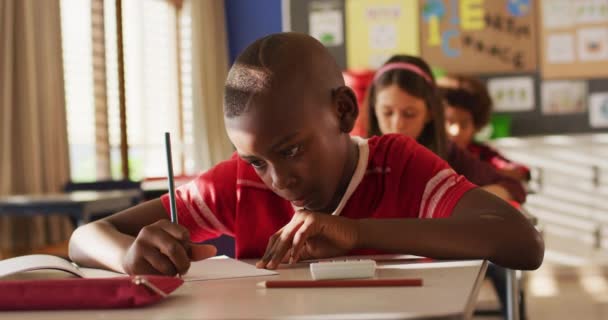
(459, 126)
(295, 145)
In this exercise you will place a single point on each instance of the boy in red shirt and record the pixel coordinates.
(300, 187)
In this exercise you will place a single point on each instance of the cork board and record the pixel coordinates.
(574, 39)
(479, 36)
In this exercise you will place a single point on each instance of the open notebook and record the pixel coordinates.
(220, 267)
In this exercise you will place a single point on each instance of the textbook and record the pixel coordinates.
(30, 283)
(220, 267)
(35, 262)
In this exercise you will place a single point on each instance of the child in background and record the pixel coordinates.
(404, 98)
(299, 187)
(468, 109)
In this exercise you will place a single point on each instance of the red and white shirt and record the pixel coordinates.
(395, 177)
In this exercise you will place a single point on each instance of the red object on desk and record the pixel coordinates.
(342, 283)
(100, 293)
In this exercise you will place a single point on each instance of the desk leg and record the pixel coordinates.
(512, 295)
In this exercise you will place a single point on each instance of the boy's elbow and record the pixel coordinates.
(530, 252)
(536, 252)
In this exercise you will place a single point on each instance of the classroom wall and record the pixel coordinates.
(491, 39)
(247, 20)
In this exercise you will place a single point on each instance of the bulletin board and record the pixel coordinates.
(378, 29)
(574, 39)
(479, 36)
(533, 121)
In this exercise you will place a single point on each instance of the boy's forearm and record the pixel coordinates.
(485, 238)
(99, 245)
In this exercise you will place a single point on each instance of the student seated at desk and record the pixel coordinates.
(467, 110)
(300, 187)
(403, 98)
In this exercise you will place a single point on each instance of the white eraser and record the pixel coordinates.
(343, 269)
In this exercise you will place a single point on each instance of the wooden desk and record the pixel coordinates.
(81, 205)
(449, 292)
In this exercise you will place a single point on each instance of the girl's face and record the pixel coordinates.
(459, 126)
(399, 112)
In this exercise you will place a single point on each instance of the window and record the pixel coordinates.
(158, 93)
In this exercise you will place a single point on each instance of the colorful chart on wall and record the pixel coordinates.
(574, 38)
(564, 96)
(378, 29)
(479, 36)
(511, 94)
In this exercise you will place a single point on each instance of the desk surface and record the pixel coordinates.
(449, 292)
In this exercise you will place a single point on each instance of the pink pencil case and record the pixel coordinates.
(78, 293)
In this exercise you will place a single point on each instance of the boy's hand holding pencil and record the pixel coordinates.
(164, 248)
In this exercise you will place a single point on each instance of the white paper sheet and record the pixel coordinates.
(325, 24)
(564, 96)
(590, 11)
(558, 14)
(592, 44)
(222, 267)
(36, 262)
(512, 93)
(560, 48)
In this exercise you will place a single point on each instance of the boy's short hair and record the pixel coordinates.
(483, 109)
(280, 61)
(249, 75)
(463, 99)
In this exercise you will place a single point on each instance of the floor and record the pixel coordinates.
(567, 286)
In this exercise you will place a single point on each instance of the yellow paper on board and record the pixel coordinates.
(376, 30)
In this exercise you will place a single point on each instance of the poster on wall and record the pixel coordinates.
(479, 36)
(598, 110)
(512, 93)
(378, 29)
(564, 96)
(325, 22)
(574, 39)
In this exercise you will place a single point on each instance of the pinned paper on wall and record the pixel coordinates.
(383, 37)
(325, 23)
(592, 44)
(472, 15)
(590, 11)
(564, 96)
(560, 48)
(376, 30)
(512, 93)
(558, 14)
(598, 110)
